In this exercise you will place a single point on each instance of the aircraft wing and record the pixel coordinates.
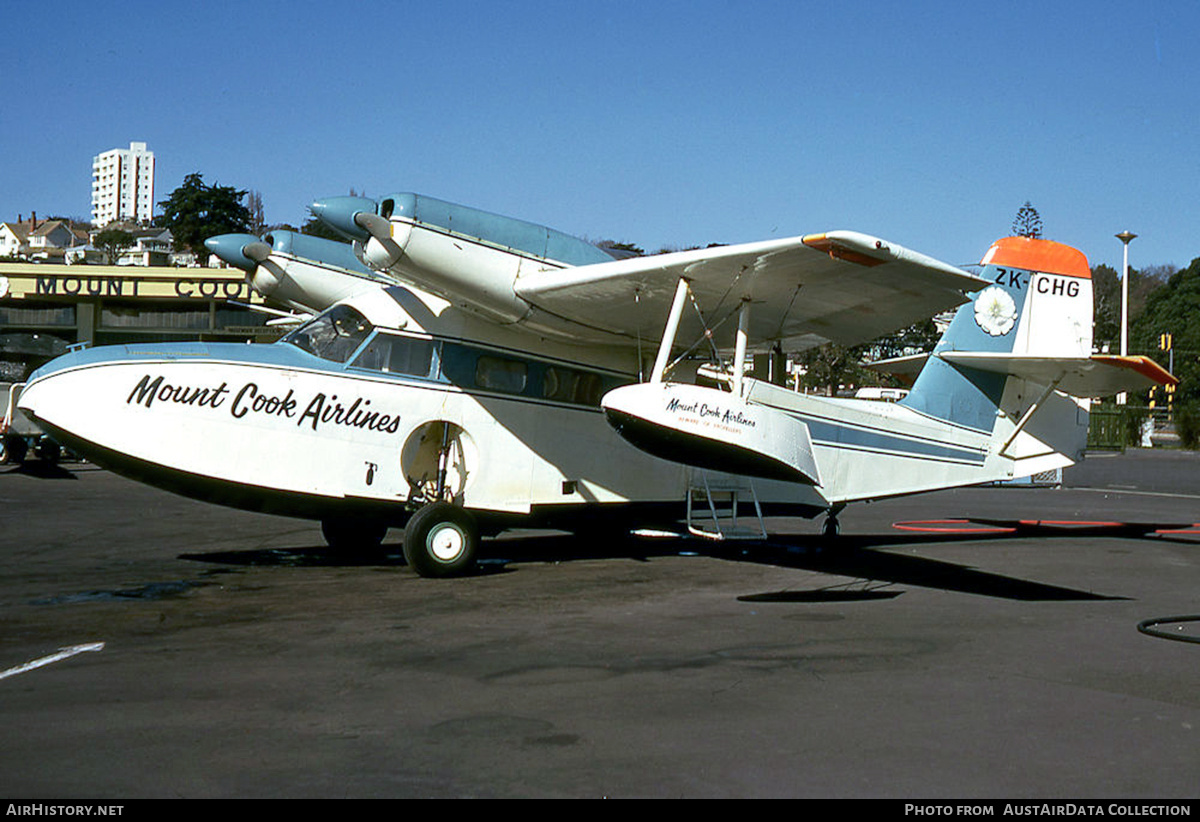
(841, 287)
(1095, 376)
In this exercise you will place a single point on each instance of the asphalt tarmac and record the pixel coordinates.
(215, 653)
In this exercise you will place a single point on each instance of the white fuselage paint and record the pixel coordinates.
(871, 450)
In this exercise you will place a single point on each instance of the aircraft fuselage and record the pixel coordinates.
(369, 423)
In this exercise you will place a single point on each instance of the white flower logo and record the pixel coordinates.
(995, 311)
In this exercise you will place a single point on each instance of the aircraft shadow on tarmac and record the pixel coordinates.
(42, 469)
(865, 559)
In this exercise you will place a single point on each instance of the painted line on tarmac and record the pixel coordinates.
(1113, 490)
(63, 653)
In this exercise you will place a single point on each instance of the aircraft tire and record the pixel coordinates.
(348, 536)
(48, 450)
(441, 540)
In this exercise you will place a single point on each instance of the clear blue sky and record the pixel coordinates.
(657, 123)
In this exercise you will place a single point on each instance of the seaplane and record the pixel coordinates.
(456, 373)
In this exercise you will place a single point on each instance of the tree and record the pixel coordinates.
(1173, 309)
(1106, 291)
(622, 249)
(113, 242)
(1028, 222)
(918, 338)
(258, 214)
(830, 366)
(196, 211)
(1106, 308)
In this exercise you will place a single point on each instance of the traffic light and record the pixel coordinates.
(1164, 342)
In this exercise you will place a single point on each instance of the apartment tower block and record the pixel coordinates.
(123, 185)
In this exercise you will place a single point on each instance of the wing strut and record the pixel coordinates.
(668, 338)
(1028, 415)
(739, 356)
(662, 362)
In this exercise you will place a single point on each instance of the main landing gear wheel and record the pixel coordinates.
(12, 449)
(441, 540)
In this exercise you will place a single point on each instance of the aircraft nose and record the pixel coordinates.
(244, 251)
(76, 356)
(29, 401)
(80, 398)
(339, 214)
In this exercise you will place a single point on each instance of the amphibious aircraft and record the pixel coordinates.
(456, 372)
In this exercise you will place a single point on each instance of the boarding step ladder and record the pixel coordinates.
(712, 507)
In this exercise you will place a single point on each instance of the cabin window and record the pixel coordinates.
(570, 385)
(470, 367)
(334, 335)
(501, 374)
(394, 354)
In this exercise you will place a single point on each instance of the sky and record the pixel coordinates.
(663, 124)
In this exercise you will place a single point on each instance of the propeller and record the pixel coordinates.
(239, 250)
(357, 218)
(340, 213)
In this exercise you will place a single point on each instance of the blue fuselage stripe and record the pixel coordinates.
(833, 434)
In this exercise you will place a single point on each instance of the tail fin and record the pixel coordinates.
(999, 367)
(1039, 304)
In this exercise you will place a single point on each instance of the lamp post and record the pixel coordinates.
(1126, 237)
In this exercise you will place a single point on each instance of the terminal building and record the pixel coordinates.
(45, 308)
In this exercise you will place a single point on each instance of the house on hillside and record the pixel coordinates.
(40, 241)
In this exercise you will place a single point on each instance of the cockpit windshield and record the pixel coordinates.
(333, 335)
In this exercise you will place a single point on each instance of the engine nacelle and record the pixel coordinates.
(385, 247)
(264, 280)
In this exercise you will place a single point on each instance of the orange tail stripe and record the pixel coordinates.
(1038, 255)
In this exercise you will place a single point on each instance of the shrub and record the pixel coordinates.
(1187, 424)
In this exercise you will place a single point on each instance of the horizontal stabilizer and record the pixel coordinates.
(905, 369)
(1095, 376)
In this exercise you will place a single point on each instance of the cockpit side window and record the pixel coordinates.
(333, 335)
(397, 354)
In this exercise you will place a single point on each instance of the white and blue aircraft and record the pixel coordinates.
(456, 373)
